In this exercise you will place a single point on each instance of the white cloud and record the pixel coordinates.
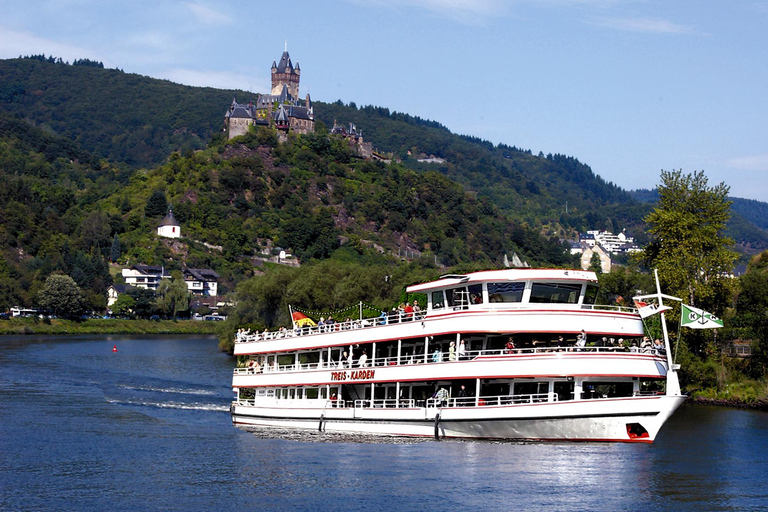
(217, 79)
(647, 25)
(464, 11)
(14, 43)
(207, 15)
(749, 163)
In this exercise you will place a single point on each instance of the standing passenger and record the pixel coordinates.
(452, 351)
(462, 350)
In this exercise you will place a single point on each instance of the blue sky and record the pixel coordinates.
(628, 87)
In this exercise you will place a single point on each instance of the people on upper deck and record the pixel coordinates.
(581, 340)
(560, 342)
(509, 348)
(646, 345)
(437, 355)
(383, 318)
(463, 395)
(329, 323)
(363, 360)
(658, 346)
(408, 310)
(452, 351)
(462, 352)
(416, 310)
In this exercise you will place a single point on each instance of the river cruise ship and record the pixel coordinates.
(520, 354)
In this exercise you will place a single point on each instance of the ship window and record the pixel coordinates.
(591, 294)
(457, 297)
(606, 389)
(555, 293)
(309, 358)
(292, 393)
(246, 393)
(311, 393)
(476, 294)
(564, 390)
(505, 292)
(437, 300)
(286, 360)
(531, 392)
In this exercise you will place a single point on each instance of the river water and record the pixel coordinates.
(148, 428)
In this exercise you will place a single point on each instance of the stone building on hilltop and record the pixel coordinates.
(282, 108)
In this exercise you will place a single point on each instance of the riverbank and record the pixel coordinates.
(106, 326)
(758, 405)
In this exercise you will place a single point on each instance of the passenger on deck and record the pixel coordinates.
(581, 341)
(452, 351)
(463, 396)
(416, 310)
(509, 348)
(658, 346)
(462, 350)
(408, 310)
(442, 396)
(363, 361)
(646, 344)
(383, 318)
(437, 355)
(560, 343)
(329, 324)
(321, 324)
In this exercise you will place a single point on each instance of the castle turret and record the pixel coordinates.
(283, 73)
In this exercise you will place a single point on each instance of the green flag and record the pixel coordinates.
(696, 318)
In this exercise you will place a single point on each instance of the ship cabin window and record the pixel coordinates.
(292, 393)
(286, 360)
(555, 293)
(564, 390)
(311, 393)
(505, 292)
(591, 294)
(309, 358)
(438, 301)
(246, 393)
(463, 296)
(606, 389)
(531, 391)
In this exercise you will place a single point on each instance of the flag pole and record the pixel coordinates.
(679, 333)
(673, 383)
(290, 312)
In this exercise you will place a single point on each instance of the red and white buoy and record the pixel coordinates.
(114, 349)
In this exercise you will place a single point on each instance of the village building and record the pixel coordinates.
(605, 258)
(145, 276)
(201, 281)
(282, 108)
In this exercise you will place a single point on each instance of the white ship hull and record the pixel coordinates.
(593, 420)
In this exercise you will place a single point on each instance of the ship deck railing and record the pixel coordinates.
(399, 318)
(471, 355)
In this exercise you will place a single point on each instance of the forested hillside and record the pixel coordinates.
(91, 158)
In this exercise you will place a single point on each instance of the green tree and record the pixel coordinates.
(115, 250)
(61, 296)
(124, 305)
(594, 264)
(157, 204)
(173, 296)
(688, 247)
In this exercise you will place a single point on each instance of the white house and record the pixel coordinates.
(201, 281)
(145, 276)
(169, 227)
(114, 291)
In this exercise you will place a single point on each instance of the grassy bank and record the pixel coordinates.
(106, 326)
(746, 393)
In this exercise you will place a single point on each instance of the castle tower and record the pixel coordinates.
(285, 74)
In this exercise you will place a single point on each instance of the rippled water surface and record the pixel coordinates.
(148, 428)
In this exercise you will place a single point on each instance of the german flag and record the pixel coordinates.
(302, 320)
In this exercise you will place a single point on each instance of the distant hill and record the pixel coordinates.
(140, 121)
(119, 116)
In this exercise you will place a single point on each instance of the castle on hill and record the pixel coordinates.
(282, 108)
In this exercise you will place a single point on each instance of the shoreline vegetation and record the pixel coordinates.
(22, 326)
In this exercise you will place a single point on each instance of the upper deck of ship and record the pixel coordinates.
(497, 301)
